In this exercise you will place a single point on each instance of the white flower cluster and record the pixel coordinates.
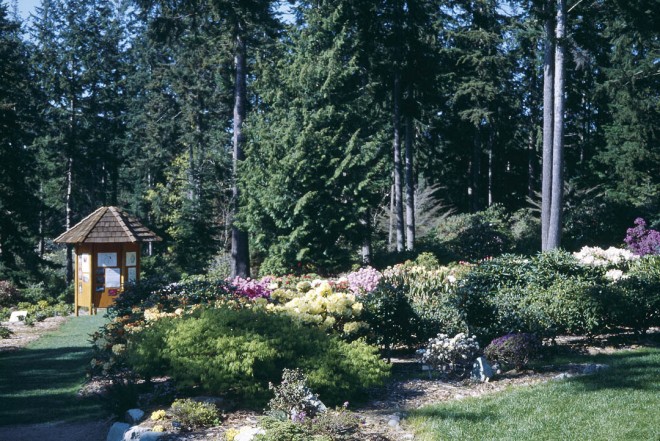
(614, 275)
(451, 355)
(599, 257)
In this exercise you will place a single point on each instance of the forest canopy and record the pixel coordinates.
(325, 134)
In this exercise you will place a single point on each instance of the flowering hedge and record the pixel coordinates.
(642, 241)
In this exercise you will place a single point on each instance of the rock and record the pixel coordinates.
(117, 431)
(313, 401)
(393, 423)
(134, 416)
(481, 370)
(247, 433)
(135, 433)
(408, 436)
(17, 316)
(562, 376)
(593, 368)
(151, 436)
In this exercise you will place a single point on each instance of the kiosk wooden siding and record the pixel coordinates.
(107, 255)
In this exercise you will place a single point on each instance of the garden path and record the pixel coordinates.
(39, 387)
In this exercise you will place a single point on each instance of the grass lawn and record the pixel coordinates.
(621, 403)
(39, 383)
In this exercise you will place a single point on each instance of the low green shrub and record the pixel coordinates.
(5, 332)
(513, 350)
(636, 299)
(333, 425)
(195, 414)
(292, 397)
(239, 352)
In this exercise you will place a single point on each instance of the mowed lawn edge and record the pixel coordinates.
(39, 383)
(620, 403)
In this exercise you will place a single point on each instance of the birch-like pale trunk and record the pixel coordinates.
(240, 253)
(410, 185)
(555, 224)
(548, 121)
(398, 172)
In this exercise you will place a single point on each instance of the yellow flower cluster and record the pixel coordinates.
(154, 313)
(316, 303)
(158, 415)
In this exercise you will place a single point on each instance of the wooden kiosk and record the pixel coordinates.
(107, 255)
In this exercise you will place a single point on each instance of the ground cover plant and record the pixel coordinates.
(617, 403)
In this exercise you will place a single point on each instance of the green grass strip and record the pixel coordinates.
(621, 403)
(39, 382)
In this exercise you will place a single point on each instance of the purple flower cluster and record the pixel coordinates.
(364, 280)
(250, 288)
(642, 241)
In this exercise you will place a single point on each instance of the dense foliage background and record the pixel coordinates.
(131, 103)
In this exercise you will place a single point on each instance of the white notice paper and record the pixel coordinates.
(112, 278)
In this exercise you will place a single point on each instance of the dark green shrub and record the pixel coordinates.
(239, 352)
(513, 350)
(476, 236)
(9, 294)
(195, 414)
(545, 294)
(391, 318)
(636, 299)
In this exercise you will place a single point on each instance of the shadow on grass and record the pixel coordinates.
(435, 412)
(41, 385)
(636, 370)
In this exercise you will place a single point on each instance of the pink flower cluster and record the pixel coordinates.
(364, 280)
(250, 288)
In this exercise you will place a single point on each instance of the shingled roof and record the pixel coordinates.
(108, 225)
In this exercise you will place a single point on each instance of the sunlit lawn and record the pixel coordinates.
(39, 383)
(621, 403)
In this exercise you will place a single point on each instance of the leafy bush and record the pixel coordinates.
(293, 397)
(250, 288)
(515, 350)
(9, 294)
(5, 332)
(636, 299)
(239, 352)
(451, 355)
(195, 414)
(338, 425)
(476, 236)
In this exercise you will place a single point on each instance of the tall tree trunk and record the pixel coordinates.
(240, 253)
(548, 121)
(491, 136)
(554, 228)
(366, 244)
(410, 186)
(69, 218)
(398, 181)
(475, 172)
(390, 236)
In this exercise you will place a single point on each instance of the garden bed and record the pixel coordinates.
(23, 334)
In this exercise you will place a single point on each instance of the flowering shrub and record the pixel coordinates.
(364, 280)
(250, 288)
(642, 241)
(513, 349)
(451, 355)
(317, 304)
(612, 257)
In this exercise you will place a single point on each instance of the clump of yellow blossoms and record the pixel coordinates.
(316, 303)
